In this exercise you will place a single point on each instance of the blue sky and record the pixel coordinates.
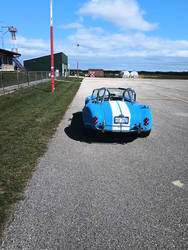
(113, 34)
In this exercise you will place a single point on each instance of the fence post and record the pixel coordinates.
(28, 78)
(18, 78)
(1, 77)
(2, 82)
(35, 76)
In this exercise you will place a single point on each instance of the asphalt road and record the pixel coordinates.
(111, 191)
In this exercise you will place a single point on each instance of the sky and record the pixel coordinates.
(147, 35)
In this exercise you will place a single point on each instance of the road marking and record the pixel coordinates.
(178, 183)
(175, 98)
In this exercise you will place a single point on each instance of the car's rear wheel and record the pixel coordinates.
(86, 130)
(145, 133)
(89, 132)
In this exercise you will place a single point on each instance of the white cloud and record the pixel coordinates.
(112, 49)
(121, 45)
(32, 47)
(32, 43)
(71, 26)
(95, 42)
(122, 13)
(32, 52)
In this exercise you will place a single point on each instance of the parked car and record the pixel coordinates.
(116, 110)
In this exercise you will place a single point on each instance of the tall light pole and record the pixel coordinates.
(52, 53)
(77, 61)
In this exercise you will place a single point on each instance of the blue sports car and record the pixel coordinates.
(116, 110)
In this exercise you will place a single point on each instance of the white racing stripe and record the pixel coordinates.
(126, 112)
(115, 112)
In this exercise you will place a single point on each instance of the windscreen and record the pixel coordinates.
(116, 92)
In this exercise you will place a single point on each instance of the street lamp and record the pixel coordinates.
(77, 61)
(52, 53)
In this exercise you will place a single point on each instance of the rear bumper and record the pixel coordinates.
(121, 129)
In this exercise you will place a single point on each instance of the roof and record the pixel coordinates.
(9, 53)
(39, 57)
(95, 69)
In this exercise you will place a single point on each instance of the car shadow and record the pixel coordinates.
(77, 132)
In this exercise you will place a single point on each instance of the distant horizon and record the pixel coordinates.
(149, 64)
(148, 71)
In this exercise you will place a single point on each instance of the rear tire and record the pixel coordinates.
(88, 131)
(145, 134)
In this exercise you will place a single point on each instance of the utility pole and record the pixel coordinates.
(52, 53)
(77, 62)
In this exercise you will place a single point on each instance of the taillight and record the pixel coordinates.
(95, 120)
(146, 121)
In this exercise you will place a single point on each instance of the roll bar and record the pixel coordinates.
(131, 94)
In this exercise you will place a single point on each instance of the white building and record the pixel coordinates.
(125, 74)
(134, 74)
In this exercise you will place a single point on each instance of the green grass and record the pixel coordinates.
(28, 119)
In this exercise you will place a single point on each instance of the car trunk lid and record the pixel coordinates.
(116, 109)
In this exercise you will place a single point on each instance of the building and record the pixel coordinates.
(125, 74)
(95, 72)
(9, 60)
(134, 74)
(43, 63)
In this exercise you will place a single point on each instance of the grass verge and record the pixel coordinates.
(28, 119)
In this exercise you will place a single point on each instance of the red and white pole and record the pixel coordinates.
(77, 62)
(52, 49)
(77, 70)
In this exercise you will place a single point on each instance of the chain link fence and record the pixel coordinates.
(11, 81)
